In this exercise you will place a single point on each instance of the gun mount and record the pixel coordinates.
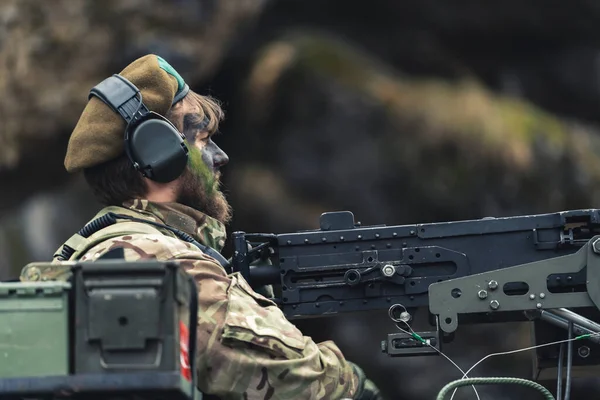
(475, 271)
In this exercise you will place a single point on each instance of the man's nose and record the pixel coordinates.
(220, 158)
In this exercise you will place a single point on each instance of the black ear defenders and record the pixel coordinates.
(153, 144)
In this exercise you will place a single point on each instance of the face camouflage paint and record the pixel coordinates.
(199, 167)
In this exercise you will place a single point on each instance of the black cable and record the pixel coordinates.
(569, 362)
(97, 224)
(559, 378)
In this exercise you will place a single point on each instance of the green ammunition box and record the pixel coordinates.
(116, 330)
(34, 329)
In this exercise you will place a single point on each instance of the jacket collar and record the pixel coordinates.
(206, 230)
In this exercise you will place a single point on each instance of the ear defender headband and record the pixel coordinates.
(153, 144)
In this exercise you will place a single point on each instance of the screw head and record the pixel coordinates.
(542, 295)
(388, 270)
(405, 316)
(482, 294)
(583, 351)
(539, 305)
(494, 304)
(532, 296)
(493, 285)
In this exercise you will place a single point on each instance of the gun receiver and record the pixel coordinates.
(485, 270)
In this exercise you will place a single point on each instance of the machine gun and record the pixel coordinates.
(523, 268)
(536, 268)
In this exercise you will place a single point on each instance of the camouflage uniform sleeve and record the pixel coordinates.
(247, 349)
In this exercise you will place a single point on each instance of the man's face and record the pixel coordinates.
(199, 184)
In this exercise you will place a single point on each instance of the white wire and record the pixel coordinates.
(441, 353)
(519, 350)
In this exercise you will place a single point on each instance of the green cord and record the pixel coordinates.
(493, 381)
(419, 338)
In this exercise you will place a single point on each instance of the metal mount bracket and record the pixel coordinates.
(489, 292)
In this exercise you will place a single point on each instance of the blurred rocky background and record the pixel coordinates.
(400, 111)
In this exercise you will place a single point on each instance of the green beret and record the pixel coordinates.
(99, 134)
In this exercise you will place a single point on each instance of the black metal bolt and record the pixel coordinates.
(493, 285)
(494, 304)
(482, 294)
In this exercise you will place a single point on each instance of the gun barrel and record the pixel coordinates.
(264, 275)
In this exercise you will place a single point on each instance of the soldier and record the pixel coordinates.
(246, 347)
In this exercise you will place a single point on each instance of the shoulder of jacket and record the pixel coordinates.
(147, 244)
(107, 225)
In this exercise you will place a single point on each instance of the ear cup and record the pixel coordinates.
(157, 149)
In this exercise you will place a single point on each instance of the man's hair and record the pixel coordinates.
(117, 181)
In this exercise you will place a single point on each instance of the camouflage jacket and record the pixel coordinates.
(247, 349)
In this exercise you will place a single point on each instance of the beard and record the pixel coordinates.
(204, 196)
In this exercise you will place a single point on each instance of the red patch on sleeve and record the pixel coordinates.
(184, 357)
